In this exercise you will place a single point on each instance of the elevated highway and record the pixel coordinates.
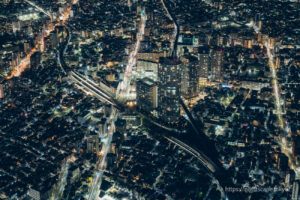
(204, 160)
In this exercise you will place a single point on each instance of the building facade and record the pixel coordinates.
(147, 94)
(169, 76)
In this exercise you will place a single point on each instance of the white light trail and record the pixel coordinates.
(101, 162)
(123, 87)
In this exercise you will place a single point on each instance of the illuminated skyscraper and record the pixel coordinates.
(147, 94)
(169, 76)
(204, 61)
(190, 78)
(216, 65)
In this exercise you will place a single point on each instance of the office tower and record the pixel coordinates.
(147, 94)
(216, 65)
(169, 76)
(190, 78)
(204, 61)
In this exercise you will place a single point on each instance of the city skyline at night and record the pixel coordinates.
(149, 99)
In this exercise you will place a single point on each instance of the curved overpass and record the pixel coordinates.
(205, 161)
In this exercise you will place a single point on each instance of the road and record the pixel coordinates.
(24, 64)
(274, 78)
(97, 180)
(89, 87)
(121, 94)
(282, 139)
(175, 32)
(123, 87)
(104, 95)
(39, 41)
(275, 85)
(84, 84)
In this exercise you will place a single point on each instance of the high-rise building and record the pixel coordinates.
(147, 94)
(190, 78)
(204, 61)
(216, 65)
(169, 76)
